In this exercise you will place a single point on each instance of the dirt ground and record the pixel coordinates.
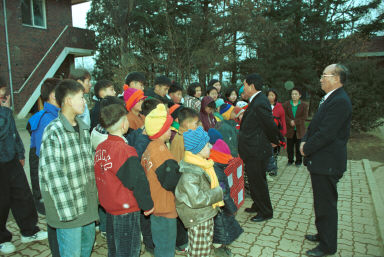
(369, 146)
(366, 146)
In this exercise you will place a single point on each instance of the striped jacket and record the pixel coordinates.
(66, 167)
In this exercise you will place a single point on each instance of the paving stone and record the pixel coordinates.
(292, 198)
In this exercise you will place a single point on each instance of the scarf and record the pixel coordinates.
(207, 166)
(220, 157)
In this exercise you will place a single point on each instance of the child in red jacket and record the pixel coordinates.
(122, 184)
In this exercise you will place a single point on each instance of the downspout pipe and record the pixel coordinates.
(8, 52)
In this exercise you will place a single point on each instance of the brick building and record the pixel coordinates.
(374, 50)
(37, 41)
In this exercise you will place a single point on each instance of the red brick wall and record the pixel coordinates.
(29, 44)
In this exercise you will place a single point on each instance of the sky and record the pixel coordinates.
(79, 19)
(79, 14)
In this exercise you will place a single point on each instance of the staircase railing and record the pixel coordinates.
(41, 60)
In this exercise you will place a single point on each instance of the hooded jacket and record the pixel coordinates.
(11, 145)
(208, 120)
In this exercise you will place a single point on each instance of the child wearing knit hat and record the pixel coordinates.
(227, 127)
(188, 119)
(198, 193)
(226, 229)
(133, 99)
(163, 175)
(219, 102)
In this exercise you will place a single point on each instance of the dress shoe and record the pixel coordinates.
(313, 238)
(259, 218)
(317, 252)
(250, 210)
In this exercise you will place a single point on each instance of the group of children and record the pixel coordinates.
(144, 162)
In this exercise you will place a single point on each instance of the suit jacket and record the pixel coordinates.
(327, 136)
(301, 116)
(258, 130)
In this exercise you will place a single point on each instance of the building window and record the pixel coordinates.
(33, 13)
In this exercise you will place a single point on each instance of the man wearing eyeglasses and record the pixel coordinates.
(324, 148)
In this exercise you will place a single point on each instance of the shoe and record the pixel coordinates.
(7, 247)
(183, 251)
(269, 178)
(317, 252)
(250, 210)
(297, 164)
(259, 218)
(103, 235)
(289, 163)
(222, 251)
(41, 235)
(312, 238)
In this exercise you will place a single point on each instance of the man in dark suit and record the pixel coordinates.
(325, 149)
(257, 132)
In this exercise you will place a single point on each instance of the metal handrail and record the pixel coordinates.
(42, 59)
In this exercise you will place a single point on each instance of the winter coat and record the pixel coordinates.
(279, 114)
(230, 134)
(138, 140)
(38, 122)
(150, 92)
(11, 145)
(208, 120)
(192, 102)
(226, 228)
(300, 117)
(194, 196)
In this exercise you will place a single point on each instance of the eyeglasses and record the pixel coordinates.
(327, 75)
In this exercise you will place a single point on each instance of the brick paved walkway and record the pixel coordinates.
(291, 195)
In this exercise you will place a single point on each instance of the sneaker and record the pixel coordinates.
(269, 178)
(7, 247)
(182, 251)
(222, 251)
(289, 163)
(41, 235)
(103, 235)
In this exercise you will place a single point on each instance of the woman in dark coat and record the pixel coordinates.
(226, 227)
(296, 113)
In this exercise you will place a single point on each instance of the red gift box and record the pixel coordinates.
(237, 194)
(235, 175)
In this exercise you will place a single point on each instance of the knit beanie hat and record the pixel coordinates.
(214, 135)
(241, 90)
(225, 111)
(132, 96)
(174, 110)
(219, 102)
(157, 122)
(220, 152)
(221, 147)
(195, 140)
(241, 104)
(238, 111)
